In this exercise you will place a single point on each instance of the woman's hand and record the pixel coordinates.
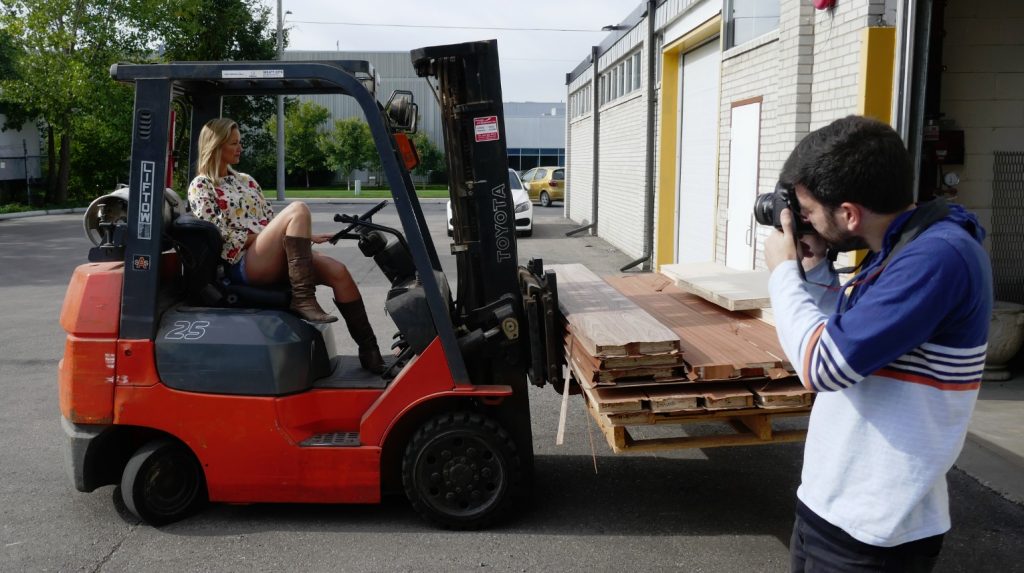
(320, 238)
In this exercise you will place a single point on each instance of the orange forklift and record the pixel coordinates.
(181, 388)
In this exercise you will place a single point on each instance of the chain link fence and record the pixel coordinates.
(1007, 236)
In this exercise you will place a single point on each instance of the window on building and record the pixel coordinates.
(636, 70)
(748, 19)
(629, 75)
(657, 50)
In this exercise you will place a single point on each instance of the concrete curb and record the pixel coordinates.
(338, 200)
(994, 466)
(23, 214)
(351, 200)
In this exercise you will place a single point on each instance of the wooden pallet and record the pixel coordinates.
(750, 426)
(683, 397)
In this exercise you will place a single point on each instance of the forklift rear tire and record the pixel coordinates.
(461, 470)
(163, 482)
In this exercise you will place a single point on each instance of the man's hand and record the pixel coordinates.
(813, 250)
(321, 238)
(779, 247)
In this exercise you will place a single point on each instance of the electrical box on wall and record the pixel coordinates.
(948, 147)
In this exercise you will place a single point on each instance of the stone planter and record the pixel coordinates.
(1005, 335)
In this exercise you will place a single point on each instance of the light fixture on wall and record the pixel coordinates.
(824, 4)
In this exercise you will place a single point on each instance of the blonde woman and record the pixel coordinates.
(261, 248)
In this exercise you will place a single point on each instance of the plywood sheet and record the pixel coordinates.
(729, 288)
(787, 393)
(716, 344)
(605, 322)
(668, 359)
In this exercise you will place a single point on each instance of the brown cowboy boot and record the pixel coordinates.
(359, 327)
(299, 252)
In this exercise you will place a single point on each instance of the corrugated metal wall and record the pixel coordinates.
(529, 124)
(16, 148)
(395, 72)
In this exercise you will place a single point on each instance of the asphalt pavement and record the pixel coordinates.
(722, 509)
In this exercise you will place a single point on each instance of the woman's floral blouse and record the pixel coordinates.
(235, 204)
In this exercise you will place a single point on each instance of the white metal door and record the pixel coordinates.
(698, 155)
(745, 135)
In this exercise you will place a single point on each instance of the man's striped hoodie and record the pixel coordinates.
(897, 367)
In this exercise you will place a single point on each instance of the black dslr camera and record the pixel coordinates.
(768, 208)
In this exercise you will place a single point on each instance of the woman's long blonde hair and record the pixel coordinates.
(211, 138)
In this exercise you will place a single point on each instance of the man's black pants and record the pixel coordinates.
(819, 546)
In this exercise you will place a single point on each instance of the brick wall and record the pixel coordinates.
(622, 173)
(580, 169)
(807, 75)
(836, 58)
(983, 90)
(745, 75)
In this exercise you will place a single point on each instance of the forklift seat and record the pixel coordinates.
(203, 272)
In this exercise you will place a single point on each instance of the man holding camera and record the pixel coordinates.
(897, 362)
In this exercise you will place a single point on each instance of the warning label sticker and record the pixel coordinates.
(486, 128)
(251, 74)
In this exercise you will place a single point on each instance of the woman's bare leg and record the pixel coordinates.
(350, 304)
(335, 275)
(265, 261)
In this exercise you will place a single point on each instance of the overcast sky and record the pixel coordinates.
(533, 63)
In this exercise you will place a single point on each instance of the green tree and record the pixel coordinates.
(432, 159)
(350, 146)
(304, 140)
(10, 51)
(60, 75)
(223, 30)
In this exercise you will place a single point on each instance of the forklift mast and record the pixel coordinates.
(469, 93)
(468, 88)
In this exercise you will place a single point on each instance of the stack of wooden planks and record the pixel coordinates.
(642, 348)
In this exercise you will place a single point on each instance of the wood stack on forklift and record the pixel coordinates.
(645, 352)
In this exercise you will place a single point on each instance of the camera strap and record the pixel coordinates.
(924, 216)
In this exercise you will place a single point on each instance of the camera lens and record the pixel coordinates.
(764, 209)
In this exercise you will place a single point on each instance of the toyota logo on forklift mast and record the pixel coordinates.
(502, 224)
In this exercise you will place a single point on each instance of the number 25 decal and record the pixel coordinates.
(184, 330)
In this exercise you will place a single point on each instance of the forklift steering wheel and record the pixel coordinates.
(354, 222)
(375, 209)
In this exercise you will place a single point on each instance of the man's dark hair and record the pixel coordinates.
(854, 159)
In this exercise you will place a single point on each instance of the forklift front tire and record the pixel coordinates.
(461, 470)
(163, 482)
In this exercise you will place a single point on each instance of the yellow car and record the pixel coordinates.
(545, 184)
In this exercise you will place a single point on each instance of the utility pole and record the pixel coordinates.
(280, 108)
(28, 184)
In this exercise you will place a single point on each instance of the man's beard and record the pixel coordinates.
(841, 240)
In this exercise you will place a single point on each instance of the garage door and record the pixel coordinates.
(698, 154)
